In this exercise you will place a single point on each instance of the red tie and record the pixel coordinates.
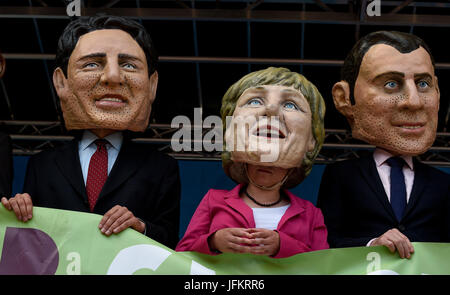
(97, 173)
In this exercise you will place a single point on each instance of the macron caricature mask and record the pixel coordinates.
(396, 101)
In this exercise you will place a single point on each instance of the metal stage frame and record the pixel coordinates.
(30, 137)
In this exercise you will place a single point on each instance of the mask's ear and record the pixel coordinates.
(153, 85)
(437, 89)
(341, 99)
(2, 65)
(60, 82)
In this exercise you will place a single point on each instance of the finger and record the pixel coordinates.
(22, 208)
(400, 248)
(123, 226)
(239, 248)
(389, 244)
(122, 220)
(111, 219)
(16, 208)
(264, 250)
(6, 203)
(29, 206)
(240, 232)
(401, 242)
(408, 245)
(107, 216)
(260, 234)
(240, 240)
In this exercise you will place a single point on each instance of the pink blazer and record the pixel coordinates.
(301, 228)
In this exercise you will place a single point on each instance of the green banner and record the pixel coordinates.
(69, 242)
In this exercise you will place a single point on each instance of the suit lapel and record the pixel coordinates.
(419, 184)
(68, 162)
(127, 162)
(370, 174)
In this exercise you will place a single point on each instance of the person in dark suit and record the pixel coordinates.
(390, 96)
(106, 80)
(6, 170)
(6, 163)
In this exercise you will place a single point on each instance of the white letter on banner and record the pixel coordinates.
(375, 263)
(134, 258)
(74, 267)
(198, 269)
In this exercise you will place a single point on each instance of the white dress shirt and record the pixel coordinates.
(268, 218)
(384, 170)
(87, 147)
(380, 157)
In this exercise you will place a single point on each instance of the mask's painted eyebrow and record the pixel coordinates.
(423, 75)
(390, 74)
(93, 55)
(128, 56)
(290, 91)
(261, 88)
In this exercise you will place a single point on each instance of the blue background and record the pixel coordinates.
(197, 177)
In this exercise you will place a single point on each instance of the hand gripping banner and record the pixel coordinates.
(68, 242)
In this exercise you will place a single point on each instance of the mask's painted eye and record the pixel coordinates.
(423, 84)
(255, 102)
(90, 65)
(291, 106)
(391, 85)
(129, 66)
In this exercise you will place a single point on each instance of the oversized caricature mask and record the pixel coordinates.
(107, 84)
(272, 117)
(396, 100)
(2, 65)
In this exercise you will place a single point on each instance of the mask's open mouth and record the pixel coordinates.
(269, 131)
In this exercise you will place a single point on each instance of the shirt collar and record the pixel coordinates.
(380, 156)
(115, 139)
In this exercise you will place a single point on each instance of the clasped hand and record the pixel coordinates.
(258, 241)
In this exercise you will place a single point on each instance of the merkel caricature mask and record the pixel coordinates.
(107, 84)
(396, 100)
(275, 118)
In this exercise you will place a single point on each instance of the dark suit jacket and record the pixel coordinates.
(356, 208)
(143, 180)
(6, 166)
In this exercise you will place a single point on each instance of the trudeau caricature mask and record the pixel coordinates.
(107, 84)
(275, 118)
(396, 100)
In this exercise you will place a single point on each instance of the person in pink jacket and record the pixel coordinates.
(273, 125)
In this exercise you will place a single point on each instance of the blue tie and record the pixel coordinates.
(398, 187)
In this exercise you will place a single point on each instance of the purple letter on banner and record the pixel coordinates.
(28, 251)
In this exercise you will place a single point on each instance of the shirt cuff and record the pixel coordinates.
(370, 242)
(145, 226)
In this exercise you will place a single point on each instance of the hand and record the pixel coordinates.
(394, 239)
(267, 241)
(22, 206)
(118, 219)
(231, 240)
